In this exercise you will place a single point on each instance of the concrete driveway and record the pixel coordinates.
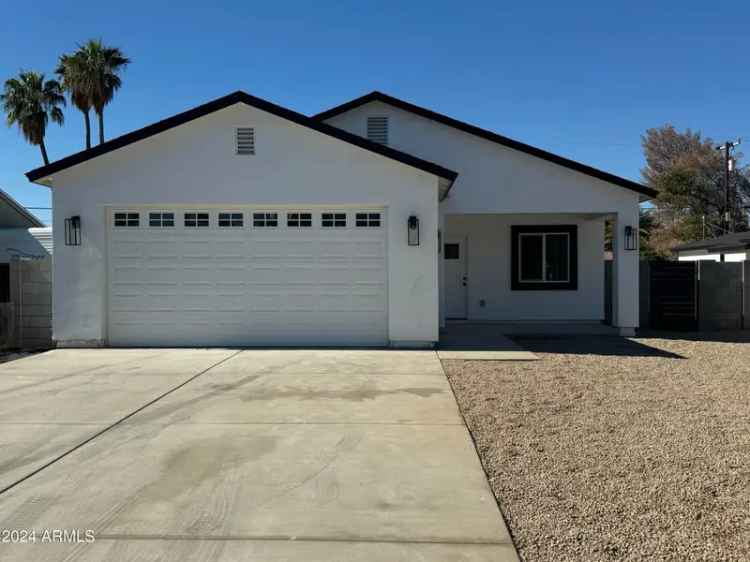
(320, 455)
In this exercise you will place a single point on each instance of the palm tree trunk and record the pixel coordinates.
(44, 152)
(100, 114)
(87, 122)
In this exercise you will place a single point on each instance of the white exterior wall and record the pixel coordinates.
(195, 165)
(489, 270)
(496, 179)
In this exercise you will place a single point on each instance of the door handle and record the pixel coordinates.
(463, 281)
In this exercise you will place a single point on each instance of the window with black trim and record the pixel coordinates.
(367, 220)
(265, 220)
(231, 220)
(125, 219)
(161, 220)
(299, 220)
(196, 220)
(544, 258)
(333, 220)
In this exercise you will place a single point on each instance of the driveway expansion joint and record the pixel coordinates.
(113, 425)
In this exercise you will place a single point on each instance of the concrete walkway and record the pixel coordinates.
(480, 342)
(321, 455)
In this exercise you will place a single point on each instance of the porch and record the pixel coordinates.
(523, 274)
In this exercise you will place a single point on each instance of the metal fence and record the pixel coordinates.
(699, 295)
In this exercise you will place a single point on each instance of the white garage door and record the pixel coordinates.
(235, 277)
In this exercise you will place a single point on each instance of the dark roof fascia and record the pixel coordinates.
(34, 222)
(487, 135)
(226, 101)
(716, 245)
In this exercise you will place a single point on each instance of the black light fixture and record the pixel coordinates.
(73, 231)
(631, 238)
(413, 230)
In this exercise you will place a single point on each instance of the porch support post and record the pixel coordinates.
(625, 275)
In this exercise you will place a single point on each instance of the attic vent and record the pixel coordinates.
(377, 129)
(245, 140)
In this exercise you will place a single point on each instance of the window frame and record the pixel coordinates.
(128, 218)
(335, 219)
(197, 219)
(518, 231)
(263, 222)
(371, 219)
(297, 217)
(232, 218)
(161, 219)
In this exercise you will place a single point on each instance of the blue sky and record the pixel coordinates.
(582, 79)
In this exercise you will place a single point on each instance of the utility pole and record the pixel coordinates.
(728, 214)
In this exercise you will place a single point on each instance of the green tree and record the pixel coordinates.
(74, 76)
(688, 172)
(30, 101)
(100, 66)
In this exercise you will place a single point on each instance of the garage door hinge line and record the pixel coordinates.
(116, 423)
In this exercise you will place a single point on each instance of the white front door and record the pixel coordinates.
(454, 254)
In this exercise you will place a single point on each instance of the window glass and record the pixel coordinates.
(531, 246)
(127, 219)
(231, 220)
(263, 220)
(161, 220)
(367, 220)
(556, 257)
(333, 220)
(196, 220)
(299, 220)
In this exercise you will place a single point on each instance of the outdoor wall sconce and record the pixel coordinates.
(413, 230)
(631, 238)
(73, 231)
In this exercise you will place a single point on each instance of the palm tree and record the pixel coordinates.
(30, 101)
(101, 66)
(72, 72)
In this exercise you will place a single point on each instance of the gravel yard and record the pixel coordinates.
(617, 449)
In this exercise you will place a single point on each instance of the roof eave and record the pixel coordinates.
(645, 192)
(43, 174)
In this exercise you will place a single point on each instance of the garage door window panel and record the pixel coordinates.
(231, 220)
(196, 220)
(367, 220)
(333, 220)
(299, 220)
(127, 219)
(265, 220)
(161, 220)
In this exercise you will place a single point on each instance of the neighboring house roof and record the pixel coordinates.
(224, 102)
(487, 135)
(14, 215)
(734, 241)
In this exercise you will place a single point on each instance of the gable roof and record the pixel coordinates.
(14, 215)
(224, 102)
(487, 135)
(734, 241)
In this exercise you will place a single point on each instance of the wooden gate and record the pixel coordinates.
(674, 296)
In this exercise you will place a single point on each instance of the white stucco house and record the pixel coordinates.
(240, 222)
(727, 248)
